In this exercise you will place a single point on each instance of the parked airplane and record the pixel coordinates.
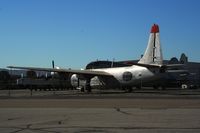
(150, 67)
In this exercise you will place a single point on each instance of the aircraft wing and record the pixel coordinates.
(177, 71)
(84, 72)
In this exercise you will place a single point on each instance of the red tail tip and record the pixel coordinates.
(155, 28)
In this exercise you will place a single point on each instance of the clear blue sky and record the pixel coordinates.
(75, 32)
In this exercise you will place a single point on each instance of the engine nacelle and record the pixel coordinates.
(54, 74)
(77, 82)
(74, 80)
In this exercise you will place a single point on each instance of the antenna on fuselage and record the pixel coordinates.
(53, 66)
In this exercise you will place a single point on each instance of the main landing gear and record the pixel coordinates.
(88, 88)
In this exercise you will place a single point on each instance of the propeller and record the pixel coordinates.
(53, 66)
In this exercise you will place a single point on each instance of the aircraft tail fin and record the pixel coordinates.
(153, 54)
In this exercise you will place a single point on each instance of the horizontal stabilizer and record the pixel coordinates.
(175, 65)
(147, 65)
(177, 71)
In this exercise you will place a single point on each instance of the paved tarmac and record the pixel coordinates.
(98, 120)
(94, 113)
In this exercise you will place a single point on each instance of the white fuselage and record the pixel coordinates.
(129, 75)
(125, 76)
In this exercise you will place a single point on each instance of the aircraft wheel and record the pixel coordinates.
(138, 87)
(130, 89)
(163, 87)
(88, 88)
(82, 89)
(155, 87)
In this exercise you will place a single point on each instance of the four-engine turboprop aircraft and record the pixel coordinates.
(149, 68)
